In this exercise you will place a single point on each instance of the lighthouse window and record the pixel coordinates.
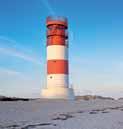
(51, 77)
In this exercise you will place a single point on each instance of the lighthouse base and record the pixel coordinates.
(58, 93)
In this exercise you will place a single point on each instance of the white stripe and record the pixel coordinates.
(60, 80)
(57, 52)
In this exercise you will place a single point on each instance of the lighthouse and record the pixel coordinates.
(57, 60)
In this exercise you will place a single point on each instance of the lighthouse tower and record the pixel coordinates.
(57, 60)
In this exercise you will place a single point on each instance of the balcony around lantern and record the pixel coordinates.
(57, 32)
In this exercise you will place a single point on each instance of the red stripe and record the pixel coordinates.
(55, 40)
(56, 32)
(57, 67)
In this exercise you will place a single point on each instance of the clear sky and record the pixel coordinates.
(95, 45)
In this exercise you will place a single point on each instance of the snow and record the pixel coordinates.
(61, 114)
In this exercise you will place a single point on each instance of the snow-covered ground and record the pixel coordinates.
(61, 114)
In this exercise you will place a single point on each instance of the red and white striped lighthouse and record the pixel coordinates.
(57, 60)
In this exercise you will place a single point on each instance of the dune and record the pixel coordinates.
(4, 98)
(62, 114)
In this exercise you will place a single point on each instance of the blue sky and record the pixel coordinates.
(95, 45)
